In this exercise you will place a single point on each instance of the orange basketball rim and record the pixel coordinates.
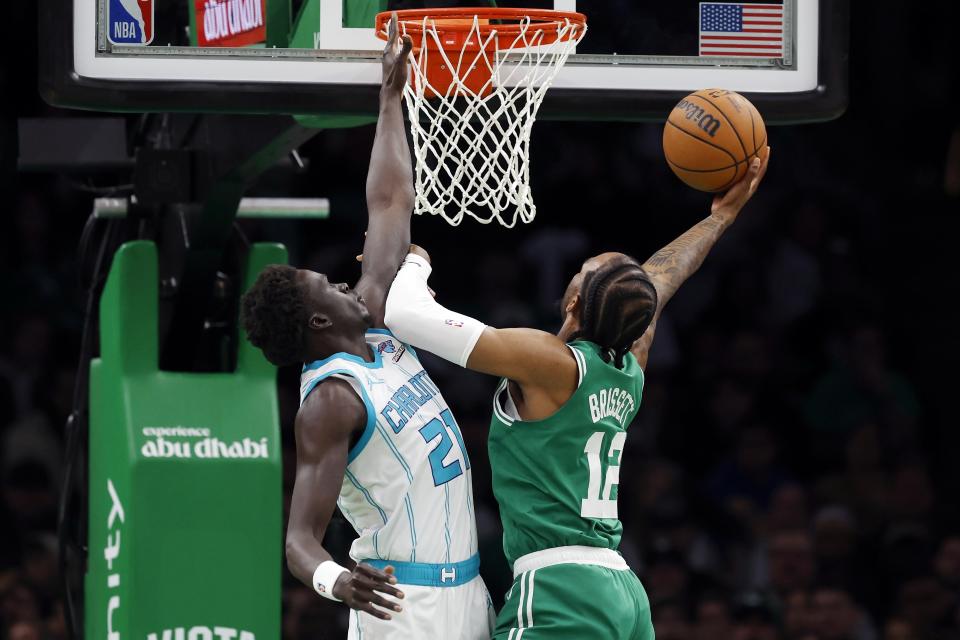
(468, 39)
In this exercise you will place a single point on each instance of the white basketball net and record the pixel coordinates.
(473, 150)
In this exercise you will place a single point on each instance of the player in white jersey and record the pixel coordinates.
(374, 436)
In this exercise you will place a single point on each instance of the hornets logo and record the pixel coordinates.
(386, 347)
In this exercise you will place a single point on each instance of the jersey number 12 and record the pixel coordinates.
(597, 505)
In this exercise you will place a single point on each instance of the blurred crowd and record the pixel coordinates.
(792, 473)
(783, 478)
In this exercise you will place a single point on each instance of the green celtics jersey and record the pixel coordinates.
(556, 479)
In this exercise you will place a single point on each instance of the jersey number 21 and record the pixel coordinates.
(597, 505)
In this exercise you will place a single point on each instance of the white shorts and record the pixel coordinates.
(464, 612)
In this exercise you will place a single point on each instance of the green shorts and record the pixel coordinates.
(575, 601)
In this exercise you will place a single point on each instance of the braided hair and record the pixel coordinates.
(617, 304)
(274, 314)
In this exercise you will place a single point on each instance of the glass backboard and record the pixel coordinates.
(322, 56)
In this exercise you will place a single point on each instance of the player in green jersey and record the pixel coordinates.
(559, 424)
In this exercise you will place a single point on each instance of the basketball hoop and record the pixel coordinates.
(479, 76)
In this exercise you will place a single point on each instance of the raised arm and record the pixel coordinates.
(390, 194)
(324, 428)
(670, 267)
(527, 356)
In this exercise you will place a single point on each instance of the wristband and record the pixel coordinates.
(325, 577)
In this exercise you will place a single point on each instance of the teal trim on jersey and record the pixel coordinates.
(367, 430)
(456, 432)
(473, 518)
(346, 514)
(466, 458)
(371, 413)
(421, 574)
(353, 523)
(413, 528)
(446, 523)
(366, 494)
(406, 469)
(396, 452)
(376, 364)
(383, 332)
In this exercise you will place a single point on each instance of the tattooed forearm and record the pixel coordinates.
(671, 266)
(661, 257)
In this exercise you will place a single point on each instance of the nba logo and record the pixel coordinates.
(130, 22)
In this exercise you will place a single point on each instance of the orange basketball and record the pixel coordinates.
(710, 138)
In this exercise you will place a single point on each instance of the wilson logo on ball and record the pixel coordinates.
(696, 114)
(710, 138)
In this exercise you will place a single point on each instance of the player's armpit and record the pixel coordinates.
(528, 357)
(324, 427)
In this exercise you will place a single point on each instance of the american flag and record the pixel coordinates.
(752, 30)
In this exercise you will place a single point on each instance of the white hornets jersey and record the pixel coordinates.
(407, 489)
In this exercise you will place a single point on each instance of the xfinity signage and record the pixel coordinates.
(111, 551)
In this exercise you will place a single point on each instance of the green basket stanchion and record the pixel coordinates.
(185, 495)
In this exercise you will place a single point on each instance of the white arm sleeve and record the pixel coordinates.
(415, 317)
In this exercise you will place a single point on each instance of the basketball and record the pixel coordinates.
(215, 422)
(710, 138)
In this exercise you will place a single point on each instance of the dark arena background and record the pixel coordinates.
(794, 469)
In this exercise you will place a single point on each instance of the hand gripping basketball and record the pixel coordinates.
(395, 73)
(729, 204)
(711, 137)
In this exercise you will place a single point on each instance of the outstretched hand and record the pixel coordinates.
(395, 72)
(729, 204)
(360, 589)
(416, 249)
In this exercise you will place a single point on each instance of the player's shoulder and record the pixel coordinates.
(585, 353)
(333, 405)
(592, 359)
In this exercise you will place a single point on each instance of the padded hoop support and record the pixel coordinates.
(184, 476)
